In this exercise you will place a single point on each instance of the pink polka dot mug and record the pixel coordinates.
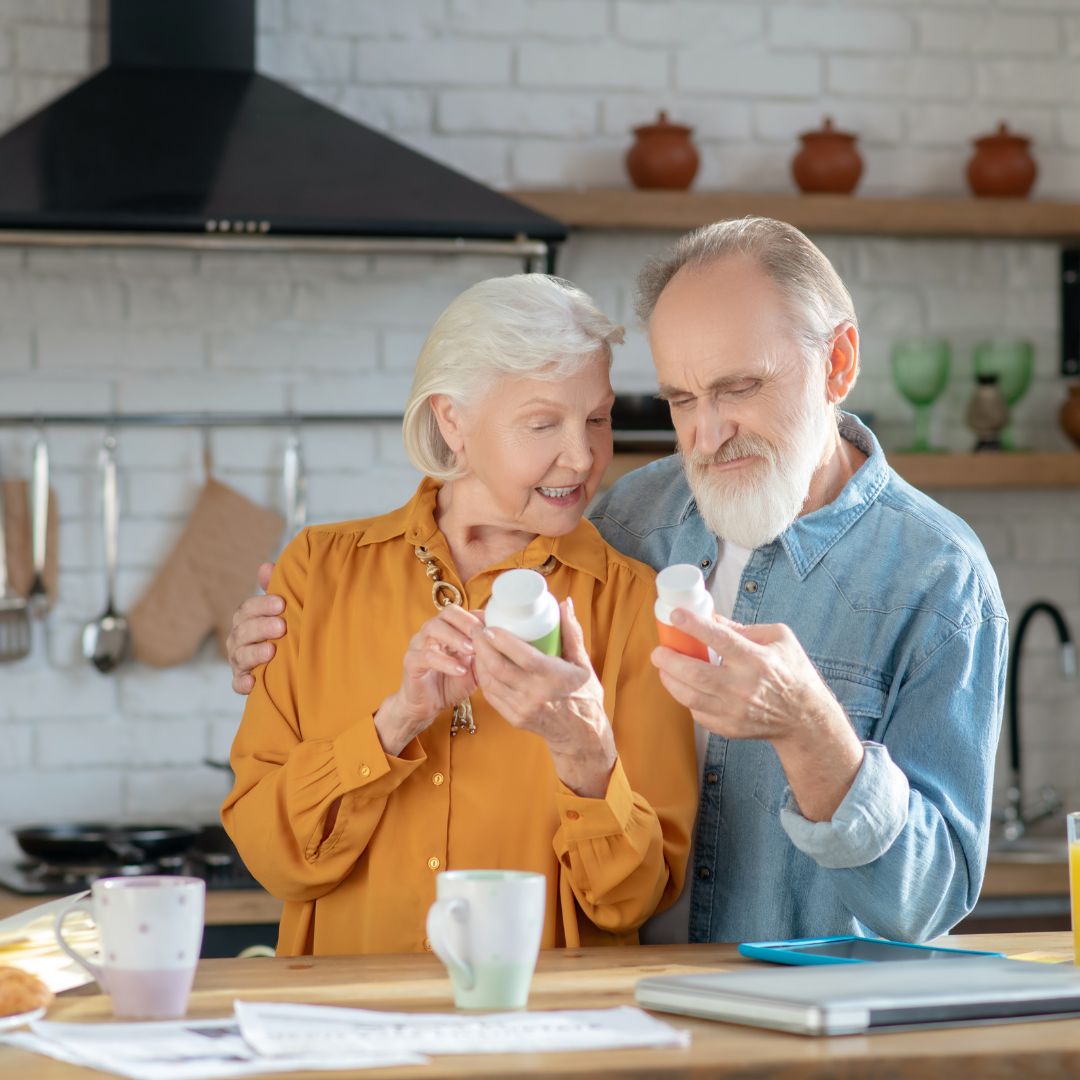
(150, 930)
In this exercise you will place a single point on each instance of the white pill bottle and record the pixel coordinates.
(682, 586)
(521, 604)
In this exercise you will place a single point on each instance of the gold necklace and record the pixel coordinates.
(445, 593)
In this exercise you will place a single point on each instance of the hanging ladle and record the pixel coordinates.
(105, 640)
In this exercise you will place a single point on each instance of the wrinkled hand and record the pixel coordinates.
(256, 624)
(437, 673)
(559, 699)
(766, 687)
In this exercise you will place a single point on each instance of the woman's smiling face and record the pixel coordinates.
(537, 447)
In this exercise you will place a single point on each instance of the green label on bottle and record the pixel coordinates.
(550, 644)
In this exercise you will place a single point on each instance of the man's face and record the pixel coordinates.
(749, 406)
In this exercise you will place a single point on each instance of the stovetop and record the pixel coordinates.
(211, 857)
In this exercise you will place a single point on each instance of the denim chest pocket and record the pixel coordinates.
(864, 704)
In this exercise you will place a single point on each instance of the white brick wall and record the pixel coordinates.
(53, 50)
(840, 30)
(515, 92)
(466, 63)
(650, 23)
(754, 72)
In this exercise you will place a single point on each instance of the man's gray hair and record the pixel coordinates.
(818, 299)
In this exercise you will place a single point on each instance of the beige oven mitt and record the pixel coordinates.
(207, 575)
(19, 540)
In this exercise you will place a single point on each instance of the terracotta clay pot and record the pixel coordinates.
(1002, 166)
(1070, 414)
(662, 156)
(828, 161)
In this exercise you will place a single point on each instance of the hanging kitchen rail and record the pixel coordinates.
(192, 419)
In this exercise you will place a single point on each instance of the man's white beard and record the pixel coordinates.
(753, 505)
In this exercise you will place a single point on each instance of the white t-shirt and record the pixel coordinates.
(672, 927)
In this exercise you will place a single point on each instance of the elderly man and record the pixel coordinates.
(847, 732)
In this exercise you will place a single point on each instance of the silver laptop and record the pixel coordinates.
(848, 999)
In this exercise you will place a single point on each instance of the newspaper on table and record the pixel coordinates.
(275, 1029)
(180, 1050)
(270, 1037)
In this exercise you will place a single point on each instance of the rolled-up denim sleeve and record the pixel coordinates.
(865, 825)
(906, 849)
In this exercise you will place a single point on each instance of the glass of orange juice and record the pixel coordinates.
(1074, 880)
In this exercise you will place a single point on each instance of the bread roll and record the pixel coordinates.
(20, 991)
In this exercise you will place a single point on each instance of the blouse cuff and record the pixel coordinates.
(590, 819)
(362, 763)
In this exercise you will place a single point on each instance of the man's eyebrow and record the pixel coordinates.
(725, 383)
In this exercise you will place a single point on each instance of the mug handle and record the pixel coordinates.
(58, 928)
(446, 921)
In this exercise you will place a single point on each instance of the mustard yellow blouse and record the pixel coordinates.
(362, 882)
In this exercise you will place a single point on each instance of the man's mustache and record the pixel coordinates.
(738, 446)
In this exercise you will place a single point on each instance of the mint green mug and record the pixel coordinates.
(485, 926)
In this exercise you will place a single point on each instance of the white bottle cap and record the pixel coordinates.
(681, 586)
(518, 593)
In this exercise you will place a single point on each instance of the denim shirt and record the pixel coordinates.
(898, 608)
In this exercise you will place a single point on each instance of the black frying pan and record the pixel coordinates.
(95, 842)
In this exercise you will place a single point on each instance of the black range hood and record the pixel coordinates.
(179, 135)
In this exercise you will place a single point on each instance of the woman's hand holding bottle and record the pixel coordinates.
(437, 673)
(559, 699)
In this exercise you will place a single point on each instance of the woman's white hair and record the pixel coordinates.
(818, 300)
(528, 325)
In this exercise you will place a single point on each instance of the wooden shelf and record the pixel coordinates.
(937, 472)
(1019, 471)
(616, 208)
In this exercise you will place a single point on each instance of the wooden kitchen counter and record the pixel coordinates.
(596, 978)
(1012, 877)
(232, 907)
(229, 907)
(224, 907)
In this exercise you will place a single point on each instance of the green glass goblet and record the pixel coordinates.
(920, 370)
(1013, 362)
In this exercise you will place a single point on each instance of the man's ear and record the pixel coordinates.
(448, 416)
(843, 363)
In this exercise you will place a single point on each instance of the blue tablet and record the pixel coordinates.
(849, 950)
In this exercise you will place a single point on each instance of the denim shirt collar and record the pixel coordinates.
(808, 539)
(695, 542)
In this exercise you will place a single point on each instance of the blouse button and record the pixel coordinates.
(434, 863)
(704, 873)
(364, 770)
(437, 779)
(705, 564)
(572, 815)
(711, 777)
(750, 586)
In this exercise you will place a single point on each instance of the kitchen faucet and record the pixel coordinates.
(1016, 816)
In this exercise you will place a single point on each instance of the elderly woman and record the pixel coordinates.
(393, 737)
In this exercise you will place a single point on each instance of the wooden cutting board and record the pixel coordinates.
(17, 537)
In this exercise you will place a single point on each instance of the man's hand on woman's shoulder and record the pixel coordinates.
(256, 625)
